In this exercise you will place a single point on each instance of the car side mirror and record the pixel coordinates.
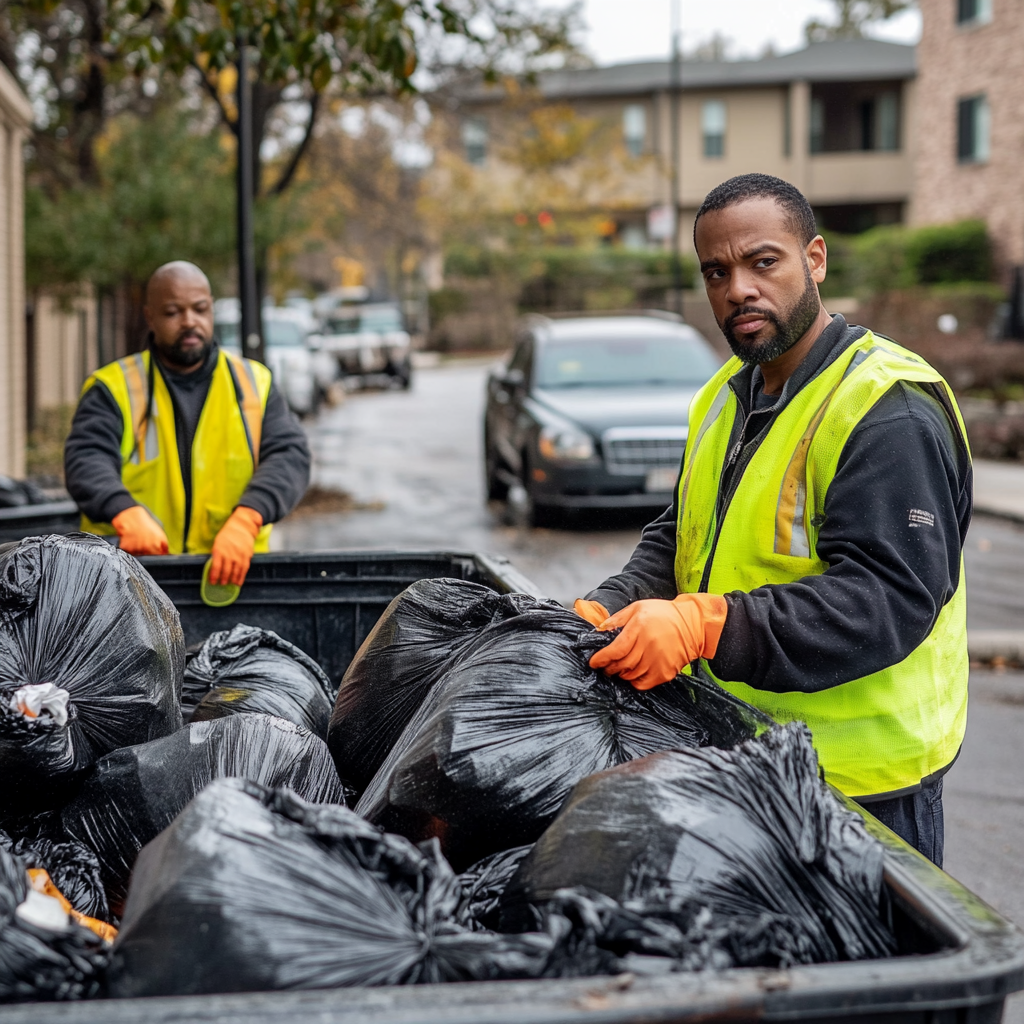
(313, 342)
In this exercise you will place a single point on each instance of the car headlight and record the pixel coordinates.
(565, 443)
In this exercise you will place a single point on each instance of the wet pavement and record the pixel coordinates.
(419, 453)
(414, 459)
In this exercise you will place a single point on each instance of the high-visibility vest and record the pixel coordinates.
(882, 733)
(225, 449)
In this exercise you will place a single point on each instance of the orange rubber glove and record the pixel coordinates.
(659, 638)
(593, 611)
(140, 533)
(233, 547)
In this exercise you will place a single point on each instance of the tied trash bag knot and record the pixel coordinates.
(247, 670)
(42, 700)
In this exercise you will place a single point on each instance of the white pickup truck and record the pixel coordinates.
(367, 340)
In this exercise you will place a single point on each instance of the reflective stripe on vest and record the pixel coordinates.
(225, 449)
(887, 731)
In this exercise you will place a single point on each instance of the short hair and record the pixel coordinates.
(762, 186)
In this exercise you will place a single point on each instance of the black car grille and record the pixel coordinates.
(638, 455)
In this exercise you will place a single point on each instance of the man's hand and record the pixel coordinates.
(659, 638)
(140, 533)
(593, 611)
(233, 547)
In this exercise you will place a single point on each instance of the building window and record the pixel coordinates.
(634, 128)
(887, 122)
(817, 124)
(973, 123)
(474, 140)
(712, 123)
(973, 12)
(852, 117)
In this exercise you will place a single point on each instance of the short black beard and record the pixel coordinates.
(177, 355)
(788, 329)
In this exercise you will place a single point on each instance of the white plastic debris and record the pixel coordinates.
(36, 698)
(43, 912)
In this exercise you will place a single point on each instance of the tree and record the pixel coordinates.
(853, 17)
(301, 49)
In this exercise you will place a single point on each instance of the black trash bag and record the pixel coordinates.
(483, 885)
(252, 890)
(73, 868)
(497, 745)
(43, 955)
(420, 635)
(20, 493)
(88, 620)
(132, 795)
(252, 670)
(752, 835)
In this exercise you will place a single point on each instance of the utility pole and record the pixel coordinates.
(675, 86)
(250, 336)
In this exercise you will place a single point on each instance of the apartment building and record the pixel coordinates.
(836, 119)
(969, 106)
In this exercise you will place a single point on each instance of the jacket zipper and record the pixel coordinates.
(742, 461)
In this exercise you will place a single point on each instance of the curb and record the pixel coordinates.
(992, 644)
(999, 513)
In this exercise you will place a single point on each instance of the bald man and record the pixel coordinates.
(184, 447)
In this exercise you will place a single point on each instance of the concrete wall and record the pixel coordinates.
(64, 349)
(15, 119)
(959, 61)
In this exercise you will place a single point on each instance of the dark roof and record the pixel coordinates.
(846, 60)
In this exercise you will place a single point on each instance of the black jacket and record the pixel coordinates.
(888, 578)
(92, 452)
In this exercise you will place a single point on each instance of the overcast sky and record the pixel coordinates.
(624, 30)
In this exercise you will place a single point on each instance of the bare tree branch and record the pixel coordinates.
(211, 91)
(289, 172)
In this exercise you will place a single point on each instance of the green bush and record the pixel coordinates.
(948, 253)
(894, 258)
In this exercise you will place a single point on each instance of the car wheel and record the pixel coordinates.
(497, 488)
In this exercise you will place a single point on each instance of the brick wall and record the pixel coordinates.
(957, 61)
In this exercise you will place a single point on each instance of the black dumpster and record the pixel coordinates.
(958, 959)
(32, 520)
(323, 602)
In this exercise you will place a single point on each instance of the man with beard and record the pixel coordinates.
(185, 447)
(811, 562)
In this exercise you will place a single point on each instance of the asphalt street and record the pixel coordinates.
(413, 460)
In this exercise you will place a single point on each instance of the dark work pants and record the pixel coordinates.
(916, 818)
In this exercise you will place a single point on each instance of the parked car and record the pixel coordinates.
(368, 340)
(591, 411)
(301, 372)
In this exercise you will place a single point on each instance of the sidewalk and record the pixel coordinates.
(998, 491)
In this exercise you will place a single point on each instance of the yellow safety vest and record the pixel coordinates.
(882, 733)
(225, 450)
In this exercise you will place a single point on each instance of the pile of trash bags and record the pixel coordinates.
(478, 804)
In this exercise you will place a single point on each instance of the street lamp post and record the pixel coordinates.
(250, 336)
(675, 85)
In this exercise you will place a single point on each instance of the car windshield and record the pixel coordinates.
(227, 335)
(381, 320)
(283, 334)
(621, 362)
(355, 321)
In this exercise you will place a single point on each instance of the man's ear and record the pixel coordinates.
(816, 255)
(148, 317)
